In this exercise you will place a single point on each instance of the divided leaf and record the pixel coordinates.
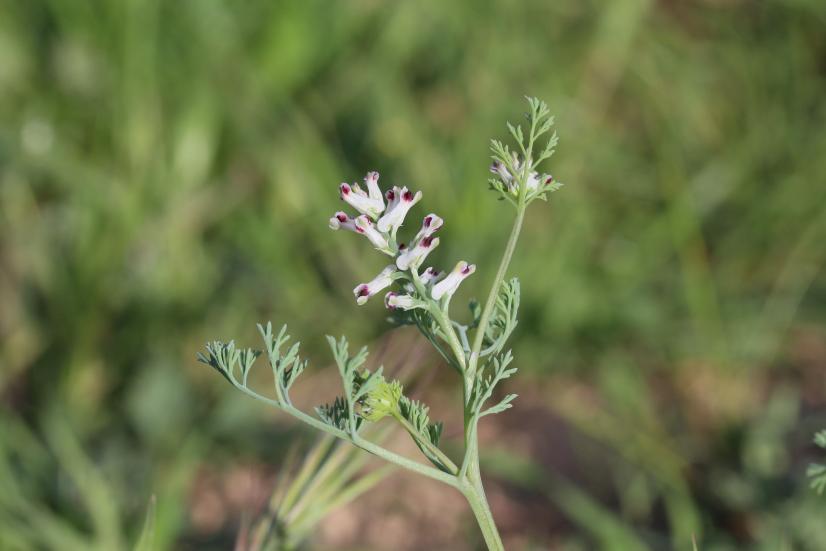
(416, 413)
(285, 367)
(504, 319)
(226, 359)
(485, 384)
(337, 415)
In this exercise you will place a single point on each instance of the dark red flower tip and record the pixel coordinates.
(364, 291)
(466, 270)
(427, 241)
(427, 221)
(345, 189)
(341, 217)
(408, 196)
(390, 195)
(402, 246)
(549, 179)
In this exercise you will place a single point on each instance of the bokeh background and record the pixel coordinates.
(167, 170)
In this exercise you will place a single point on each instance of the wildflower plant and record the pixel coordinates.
(418, 295)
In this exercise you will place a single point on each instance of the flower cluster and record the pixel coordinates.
(534, 183)
(379, 222)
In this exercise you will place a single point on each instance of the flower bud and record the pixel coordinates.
(341, 220)
(382, 401)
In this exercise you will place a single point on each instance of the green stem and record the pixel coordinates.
(366, 445)
(475, 495)
(440, 455)
(444, 322)
(494, 290)
(469, 474)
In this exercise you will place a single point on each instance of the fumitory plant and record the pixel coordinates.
(419, 296)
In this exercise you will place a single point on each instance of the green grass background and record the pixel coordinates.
(167, 170)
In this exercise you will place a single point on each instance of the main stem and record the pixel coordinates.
(475, 495)
(470, 475)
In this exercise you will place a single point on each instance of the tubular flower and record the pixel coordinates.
(430, 225)
(411, 258)
(404, 302)
(535, 180)
(380, 218)
(340, 220)
(450, 283)
(373, 190)
(431, 276)
(399, 202)
(366, 290)
(365, 227)
(361, 201)
(500, 170)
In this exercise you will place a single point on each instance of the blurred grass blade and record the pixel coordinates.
(146, 540)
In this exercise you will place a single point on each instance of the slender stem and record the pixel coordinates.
(444, 322)
(475, 495)
(469, 474)
(366, 445)
(494, 290)
(472, 446)
(440, 455)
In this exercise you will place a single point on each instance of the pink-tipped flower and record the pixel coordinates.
(534, 179)
(373, 190)
(359, 200)
(366, 227)
(500, 170)
(366, 290)
(450, 283)
(404, 302)
(340, 220)
(412, 258)
(399, 202)
(432, 276)
(430, 224)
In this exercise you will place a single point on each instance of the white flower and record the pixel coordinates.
(372, 183)
(430, 224)
(499, 169)
(365, 227)
(380, 282)
(405, 302)
(432, 276)
(399, 202)
(411, 258)
(342, 220)
(359, 200)
(450, 283)
(535, 180)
